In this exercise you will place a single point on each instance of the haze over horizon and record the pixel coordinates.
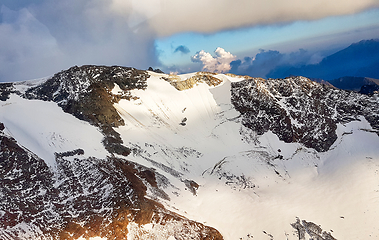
(39, 38)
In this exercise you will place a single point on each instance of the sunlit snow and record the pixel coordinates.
(337, 189)
(250, 186)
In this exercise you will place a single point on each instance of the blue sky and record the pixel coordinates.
(41, 37)
(323, 36)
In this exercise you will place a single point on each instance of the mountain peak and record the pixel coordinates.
(299, 110)
(122, 153)
(86, 93)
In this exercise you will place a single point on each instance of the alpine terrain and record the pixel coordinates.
(98, 152)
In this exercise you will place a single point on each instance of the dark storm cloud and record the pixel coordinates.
(183, 49)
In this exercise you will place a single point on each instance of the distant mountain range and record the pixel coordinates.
(349, 69)
(357, 84)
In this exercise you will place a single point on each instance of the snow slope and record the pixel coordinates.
(220, 172)
(43, 128)
(245, 188)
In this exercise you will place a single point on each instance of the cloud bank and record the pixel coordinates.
(209, 16)
(41, 37)
(267, 62)
(220, 63)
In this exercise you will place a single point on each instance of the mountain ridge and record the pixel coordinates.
(359, 60)
(153, 170)
(355, 83)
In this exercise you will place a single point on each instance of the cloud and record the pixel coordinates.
(209, 16)
(26, 46)
(183, 49)
(220, 63)
(270, 63)
(40, 39)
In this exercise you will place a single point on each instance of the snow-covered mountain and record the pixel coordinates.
(120, 153)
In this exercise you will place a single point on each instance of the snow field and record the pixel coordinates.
(250, 186)
(43, 128)
(337, 189)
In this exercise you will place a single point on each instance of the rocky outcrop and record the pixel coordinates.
(26, 191)
(157, 70)
(311, 229)
(84, 197)
(5, 90)
(86, 93)
(190, 82)
(297, 109)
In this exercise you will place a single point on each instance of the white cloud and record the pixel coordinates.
(220, 63)
(213, 15)
(25, 43)
(136, 11)
(41, 37)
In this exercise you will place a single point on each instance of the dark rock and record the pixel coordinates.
(70, 153)
(192, 186)
(314, 231)
(85, 197)
(157, 70)
(85, 92)
(5, 90)
(27, 190)
(299, 110)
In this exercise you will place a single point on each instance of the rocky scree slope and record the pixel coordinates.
(84, 198)
(299, 110)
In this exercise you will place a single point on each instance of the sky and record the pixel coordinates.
(41, 37)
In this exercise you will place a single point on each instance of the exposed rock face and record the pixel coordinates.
(299, 110)
(200, 77)
(5, 90)
(157, 70)
(84, 197)
(26, 191)
(314, 231)
(85, 92)
(110, 197)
